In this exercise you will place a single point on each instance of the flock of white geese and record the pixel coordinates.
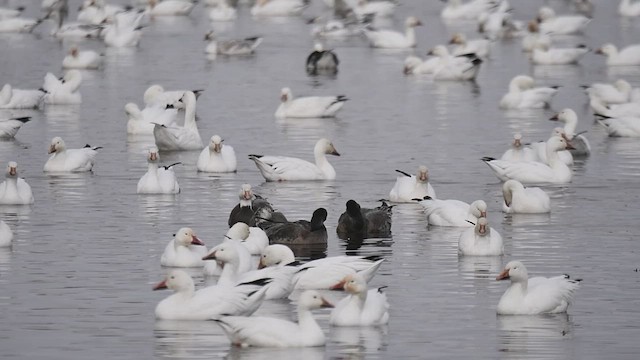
(250, 270)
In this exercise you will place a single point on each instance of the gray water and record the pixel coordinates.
(77, 281)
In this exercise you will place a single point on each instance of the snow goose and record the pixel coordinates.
(246, 46)
(380, 8)
(301, 232)
(185, 137)
(549, 22)
(622, 127)
(9, 128)
(18, 25)
(617, 93)
(544, 55)
(362, 307)
(523, 95)
(11, 98)
(257, 241)
(125, 29)
(170, 7)
(361, 223)
(253, 209)
(222, 12)
(70, 160)
(98, 12)
(234, 236)
(630, 109)
(158, 180)
(627, 8)
(537, 295)
(73, 30)
(409, 187)
(6, 235)
(14, 190)
(480, 47)
(464, 67)
(141, 122)
(496, 23)
(216, 157)
(457, 10)
(322, 61)
(534, 38)
(277, 8)
(453, 212)
(533, 172)
(180, 253)
(518, 152)
(393, 39)
(281, 168)
(480, 241)
(63, 91)
(579, 143)
(524, 200)
(416, 66)
(627, 56)
(333, 28)
(308, 106)
(6, 13)
(208, 303)
(157, 96)
(86, 59)
(271, 332)
(540, 149)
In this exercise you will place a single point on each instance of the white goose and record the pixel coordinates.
(380, 8)
(63, 91)
(617, 93)
(271, 332)
(537, 295)
(540, 149)
(86, 59)
(627, 8)
(416, 66)
(630, 109)
(73, 30)
(450, 67)
(480, 47)
(523, 95)
(222, 12)
(142, 122)
(361, 307)
(453, 212)
(308, 106)
(457, 10)
(533, 172)
(11, 98)
(18, 25)
(14, 190)
(185, 137)
(579, 143)
(480, 241)
(70, 160)
(170, 7)
(234, 236)
(9, 128)
(217, 157)
(534, 38)
(518, 152)
(277, 8)
(409, 187)
(6, 235)
(628, 56)
(279, 168)
(125, 29)
(524, 200)
(256, 242)
(622, 127)
(180, 253)
(545, 55)
(158, 180)
(549, 22)
(205, 304)
(246, 46)
(156, 96)
(393, 39)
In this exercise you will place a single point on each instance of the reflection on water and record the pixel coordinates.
(251, 353)
(359, 342)
(187, 339)
(533, 337)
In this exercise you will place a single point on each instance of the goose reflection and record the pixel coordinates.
(253, 353)
(359, 342)
(535, 337)
(187, 339)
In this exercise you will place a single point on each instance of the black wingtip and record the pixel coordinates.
(487, 158)
(255, 156)
(259, 282)
(23, 119)
(167, 167)
(403, 173)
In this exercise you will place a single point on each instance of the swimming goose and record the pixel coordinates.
(416, 66)
(6, 235)
(170, 7)
(18, 25)
(277, 7)
(216, 157)
(617, 93)
(480, 241)
(72, 30)
(579, 143)
(245, 46)
(409, 187)
(394, 39)
(334, 28)
(518, 152)
(158, 180)
(235, 236)
(280, 168)
(537, 295)
(453, 212)
(300, 232)
(480, 47)
(545, 55)
(86, 59)
(253, 210)
(361, 223)
(98, 12)
(9, 128)
(271, 332)
(621, 127)
(361, 307)
(549, 22)
(222, 12)
(308, 106)
(540, 149)
(174, 137)
(157, 96)
(627, 56)
(180, 253)
(125, 31)
(630, 109)
(457, 10)
(207, 303)
(534, 38)
(464, 67)
(70, 160)
(524, 200)
(142, 122)
(63, 91)
(627, 8)
(322, 61)
(11, 98)
(14, 190)
(523, 95)
(533, 172)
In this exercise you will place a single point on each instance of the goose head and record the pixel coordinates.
(515, 271)
(566, 115)
(558, 143)
(176, 280)
(74, 51)
(352, 284)
(12, 169)
(478, 208)
(545, 13)
(533, 26)
(215, 145)
(517, 140)
(318, 218)
(57, 145)
(411, 63)
(458, 38)
(186, 237)
(286, 95)
(607, 49)
(239, 231)
(353, 208)
(311, 299)
(623, 85)
(318, 47)
(73, 77)
(133, 111)
(482, 227)
(521, 82)
(423, 174)
(152, 93)
(507, 190)
(324, 146)
(412, 21)
(152, 155)
(210, 36)
(439, 50)
(224, 253)
(276, 254)
(246, 193)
